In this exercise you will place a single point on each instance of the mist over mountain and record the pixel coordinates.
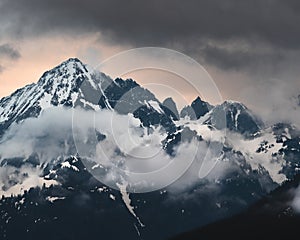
(70, 159)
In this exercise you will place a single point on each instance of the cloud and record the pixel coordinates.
(275, 22)
(7, 51)
(14, 182)
(275, 100)
(240, 56)
(45, 136)
(128, 152)
(165, 23)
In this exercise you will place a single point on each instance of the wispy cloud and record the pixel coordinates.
(7, 51)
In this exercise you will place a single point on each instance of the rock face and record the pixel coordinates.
(47, 184)
(197, 109)
(170, 106)
(238, 118)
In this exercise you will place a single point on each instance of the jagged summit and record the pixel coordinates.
(64, 71)
(198, 99)
(197, 109)
(72, 59)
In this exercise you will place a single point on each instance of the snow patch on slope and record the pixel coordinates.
(127, 201)
(155, 106)
(53, 199)
(68, 165)
(268, 158)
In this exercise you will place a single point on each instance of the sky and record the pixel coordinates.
(250, 48)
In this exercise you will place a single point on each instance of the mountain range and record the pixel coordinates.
(51, 179)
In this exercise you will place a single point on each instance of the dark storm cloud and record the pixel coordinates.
(7, 51)
(239, 58)
(187, 25)
(155, 21)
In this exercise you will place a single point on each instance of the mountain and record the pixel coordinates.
(71, 84)
(273, 217)
(238, 118)
(59, 170)
(170, 105)
(197, 109)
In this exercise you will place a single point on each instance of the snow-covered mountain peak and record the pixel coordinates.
(64, 85)
(231, 103)
(65, 75)
(72, 84)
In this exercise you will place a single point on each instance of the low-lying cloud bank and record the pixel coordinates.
(115, 142)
